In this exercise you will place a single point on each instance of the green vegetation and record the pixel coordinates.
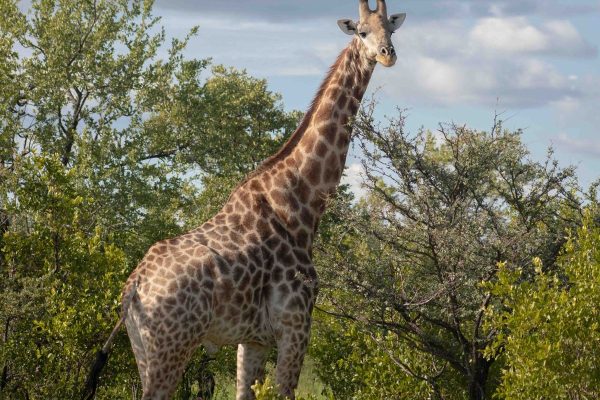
(105, 147)
(550, 324)
(419, 252)
(469, 271)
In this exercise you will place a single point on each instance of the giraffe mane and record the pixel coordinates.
(287, 148)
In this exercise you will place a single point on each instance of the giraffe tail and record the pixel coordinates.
(91, 384)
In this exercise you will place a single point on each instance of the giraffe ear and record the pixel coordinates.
(396, 21)
(347, 26)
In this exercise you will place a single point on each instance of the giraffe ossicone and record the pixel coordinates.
(246, 276)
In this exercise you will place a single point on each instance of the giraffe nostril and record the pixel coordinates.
(387, 51)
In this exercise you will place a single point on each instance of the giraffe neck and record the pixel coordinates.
(321, 152)
(296, 181)
(309, 166)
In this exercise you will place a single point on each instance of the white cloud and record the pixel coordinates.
(508, 60)
(274, 10)
(546, 8)
(566, 105)
(442, 62)
(534, 74)
(261, 47)
(580, 112)
(354, 177)
(519, 35)
(438, 77)
(508, 35)
(587, 145)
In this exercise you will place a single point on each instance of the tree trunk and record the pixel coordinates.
(4, 226)
(4, 376)
(478, 379)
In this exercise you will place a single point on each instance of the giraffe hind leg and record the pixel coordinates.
(160, 369)
(168, 348)
(132, 324)
(165, 369)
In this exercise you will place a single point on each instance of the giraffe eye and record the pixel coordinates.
(363, 34)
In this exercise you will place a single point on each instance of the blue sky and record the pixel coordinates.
(536, 61)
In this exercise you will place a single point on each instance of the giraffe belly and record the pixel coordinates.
(226, 297)
(240, 312)
(244, 327)
(288, 309)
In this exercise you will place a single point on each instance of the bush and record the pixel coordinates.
(550, 325)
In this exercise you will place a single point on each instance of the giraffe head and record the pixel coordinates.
(375, 29)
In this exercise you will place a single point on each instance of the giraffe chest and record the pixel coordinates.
(236, 279)
(262, 287)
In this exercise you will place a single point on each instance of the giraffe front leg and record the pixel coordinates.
(291, 349)
(251, 360)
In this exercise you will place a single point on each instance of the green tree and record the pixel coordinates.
(441, 211)
(105, 147)
(360, 362)
(550, 325)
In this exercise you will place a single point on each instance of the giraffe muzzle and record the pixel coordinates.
(386, 56)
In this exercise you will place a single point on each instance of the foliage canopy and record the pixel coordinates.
(442, 211)
(107, 139)
(550, 325)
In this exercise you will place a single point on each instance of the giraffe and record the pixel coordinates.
(246, 276)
